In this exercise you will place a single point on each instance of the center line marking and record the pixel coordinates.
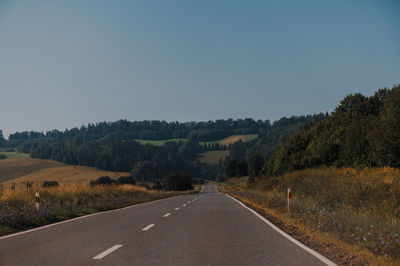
(148, 227)
(105, 253)
(167, 214)
(176, 209)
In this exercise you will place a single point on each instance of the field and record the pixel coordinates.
(158, 142)
(14, 155)
(359, 209)
(225, 141)
(213, 157)
(20, 171)
(230, 140)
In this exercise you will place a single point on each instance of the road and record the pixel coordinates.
(203, 229)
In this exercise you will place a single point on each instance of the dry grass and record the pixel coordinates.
(359, 208)
(64, 175)
(14, 168)
(236, 138)
(17, 207)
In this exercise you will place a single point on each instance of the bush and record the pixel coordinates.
(50, 184)
(103, 180)
(128, 180)
(178, 181)
(2, 156)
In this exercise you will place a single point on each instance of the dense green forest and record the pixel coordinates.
(362, 131)
(238, 163)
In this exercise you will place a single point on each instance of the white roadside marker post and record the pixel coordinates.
(289, 196)
(37, 197)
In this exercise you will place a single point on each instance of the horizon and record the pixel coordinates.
(65, 65)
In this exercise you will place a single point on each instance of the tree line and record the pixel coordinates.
(362, 131)
(148, 130)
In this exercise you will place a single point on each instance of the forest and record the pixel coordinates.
(361, 132)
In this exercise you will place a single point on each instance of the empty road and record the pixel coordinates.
(203, 229)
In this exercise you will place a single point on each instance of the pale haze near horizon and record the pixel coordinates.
(68, 63)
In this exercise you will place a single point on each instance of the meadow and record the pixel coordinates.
(360, 208)
(14, 155)
(158, 142)
(17, 207)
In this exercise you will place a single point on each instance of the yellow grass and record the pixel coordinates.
(20, 171)
(236, 138)
(14, 168)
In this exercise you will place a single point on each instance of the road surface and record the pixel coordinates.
(203, 229)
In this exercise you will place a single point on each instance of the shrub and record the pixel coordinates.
(50, 184)
(103, 180)
(178, 181)
(2, 156)
(129, 180)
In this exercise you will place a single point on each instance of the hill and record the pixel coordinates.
(14, 168)
(20, 171)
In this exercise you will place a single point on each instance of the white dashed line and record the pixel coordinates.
(105, 253)
(148, 227)
(167, 214)
(183, 205)
(176, 209)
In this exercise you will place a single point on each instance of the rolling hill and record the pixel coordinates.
(20, 171)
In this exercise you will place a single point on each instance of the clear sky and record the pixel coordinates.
(68, 63)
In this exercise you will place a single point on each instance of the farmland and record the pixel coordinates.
(225, 142)
(230, 140)
(20, 171)
(159, 142)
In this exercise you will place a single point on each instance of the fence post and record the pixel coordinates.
(37, 197)
(289, 196)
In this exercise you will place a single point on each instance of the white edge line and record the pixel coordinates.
(148, 227)
(167, 214)
(82, 217)
(295, 241)
(106, 252)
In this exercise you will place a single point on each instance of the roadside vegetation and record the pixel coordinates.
(57, 203)
(358, 207)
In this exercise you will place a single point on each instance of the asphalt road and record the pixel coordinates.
(202, 229)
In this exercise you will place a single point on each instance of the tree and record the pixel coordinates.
(126, 180)
(231, 168)
(178, 181)
(255, 165)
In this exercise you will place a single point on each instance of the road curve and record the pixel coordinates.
(204, 229)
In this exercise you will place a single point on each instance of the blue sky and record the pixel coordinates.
(68, 63)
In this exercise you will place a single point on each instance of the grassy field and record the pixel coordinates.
(20, 171)
(225, 141)
(68, 201)
(15, 168)
(14, 155)
(158, 142)
(230, 140)
(358, 208)
(213, 157)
